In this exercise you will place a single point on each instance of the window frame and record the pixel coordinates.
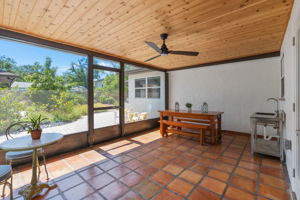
(147, 87)
(154, 87)
(140, 88)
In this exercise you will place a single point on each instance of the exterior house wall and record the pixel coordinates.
(238, 89)
(290, 73)
(151, 106)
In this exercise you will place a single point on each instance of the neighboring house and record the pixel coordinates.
(98, 83)
(21, 86)
(7, 77)
(78, 89)
(146, 91)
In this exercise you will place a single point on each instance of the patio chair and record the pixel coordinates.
(143, 116)
(15, 156)
(5, 175)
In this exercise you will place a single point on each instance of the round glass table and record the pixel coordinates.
(26, 143)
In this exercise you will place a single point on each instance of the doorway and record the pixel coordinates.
(297, 171)
(106, 112)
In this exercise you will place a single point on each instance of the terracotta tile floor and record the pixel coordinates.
(146, 166)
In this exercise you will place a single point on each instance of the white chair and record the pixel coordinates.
(5, 175)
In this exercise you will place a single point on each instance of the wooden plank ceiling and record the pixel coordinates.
(218, 29)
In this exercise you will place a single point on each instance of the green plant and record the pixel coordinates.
(188, 105)
(35, 123)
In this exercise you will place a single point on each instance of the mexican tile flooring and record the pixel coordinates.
(146, 166)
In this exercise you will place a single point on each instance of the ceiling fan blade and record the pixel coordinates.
(152, 58)
(186, 53)
(154, 46)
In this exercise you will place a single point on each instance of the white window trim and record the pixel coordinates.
(146, 88)
(136, 88)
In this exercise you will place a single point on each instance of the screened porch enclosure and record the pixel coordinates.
(88, 97)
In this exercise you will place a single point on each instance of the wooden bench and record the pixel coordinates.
(211, 119)
(176, 127)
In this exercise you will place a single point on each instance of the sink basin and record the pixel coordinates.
(265, 118)
(263, 113)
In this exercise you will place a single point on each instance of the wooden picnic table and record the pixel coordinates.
(211, 118)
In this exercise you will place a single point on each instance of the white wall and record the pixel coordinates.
(238, 89)
(290, 69)
(151, 106)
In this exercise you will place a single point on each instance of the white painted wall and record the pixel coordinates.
(290, 64)
(238, 89)
(151, 106)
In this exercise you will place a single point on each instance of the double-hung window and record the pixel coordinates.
(140, 88)
(147, 88)
(153, 87)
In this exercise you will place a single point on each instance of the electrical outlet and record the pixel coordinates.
(294, 107)
(288, 144)
(294, 173)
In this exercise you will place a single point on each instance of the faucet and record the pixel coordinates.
(277, 105)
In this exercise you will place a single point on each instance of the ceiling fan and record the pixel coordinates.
(163, 51)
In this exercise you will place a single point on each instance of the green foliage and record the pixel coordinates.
(77, 74)
(52, 95)
(63, 107)
(109, 92)
(35, 122)
(11, 107)
(188, 105)
(7, 64)
(43, 77)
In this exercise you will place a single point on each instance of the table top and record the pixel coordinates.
(193, 112)
(26, 142)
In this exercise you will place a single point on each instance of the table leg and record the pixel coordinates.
(34, 188)
(162, 131)
(220, 128)
(213, 130)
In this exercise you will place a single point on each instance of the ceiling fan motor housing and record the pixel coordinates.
(164, 49)
(164, 36)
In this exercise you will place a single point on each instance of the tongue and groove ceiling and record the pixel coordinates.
(218, 29)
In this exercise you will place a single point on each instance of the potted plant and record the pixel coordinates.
(189, 106)
(34, 126)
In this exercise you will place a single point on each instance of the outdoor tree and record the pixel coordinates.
(77, 74)
(7, 64)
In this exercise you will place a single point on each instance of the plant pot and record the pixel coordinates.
(36, 134)
(189, 109)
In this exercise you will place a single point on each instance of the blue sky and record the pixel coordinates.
(28, 54)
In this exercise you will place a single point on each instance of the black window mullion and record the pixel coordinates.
(122, 99)
(107, 108)
(106, 68)
(90, 136)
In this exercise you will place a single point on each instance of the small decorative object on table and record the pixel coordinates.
(176, 106)
(204, 108)
(33, 126)
(189, 106)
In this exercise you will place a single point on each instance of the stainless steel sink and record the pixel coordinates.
(258, 143)
(265, 118)
(263, 113)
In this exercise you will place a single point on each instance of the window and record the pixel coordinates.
(49, 82)
(140, 88)
(144, 91)
(153, 87)
(106, 63)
